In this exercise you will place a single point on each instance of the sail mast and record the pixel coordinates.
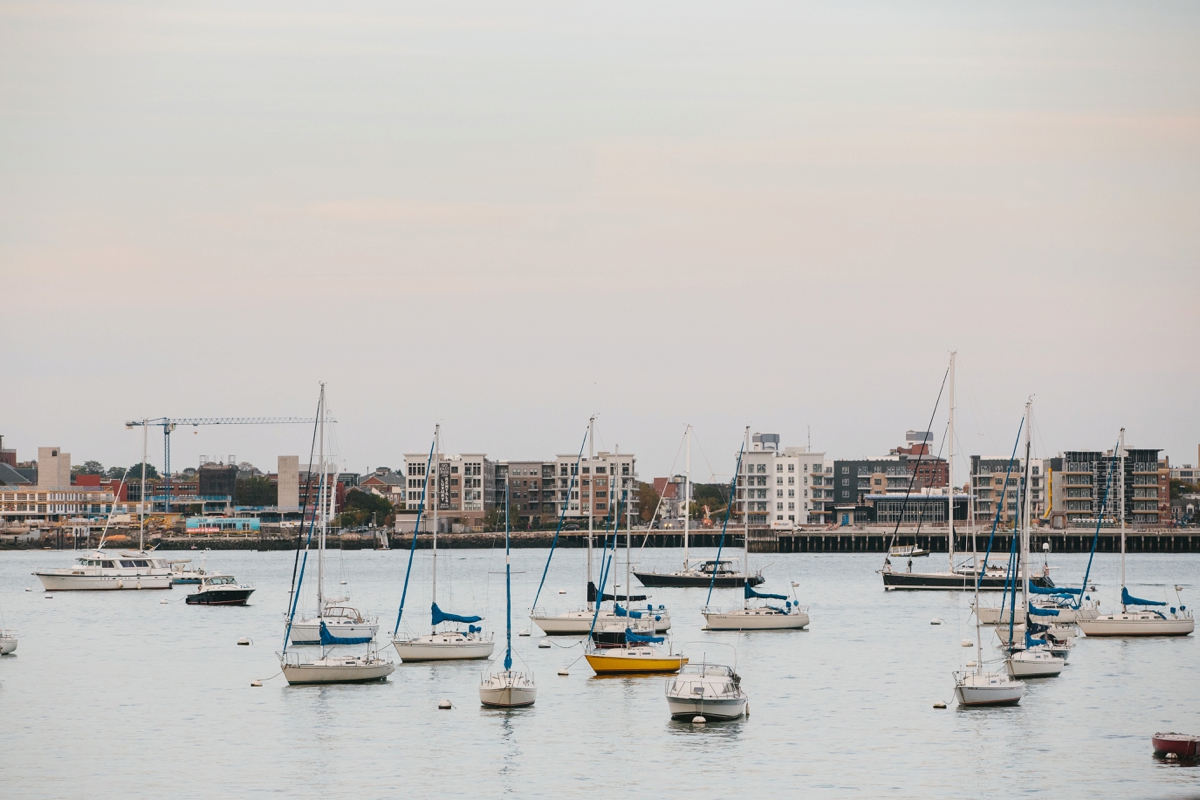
(591, 490)
(745, 530)
(1121, 476)
(950, 464)
(142, 499)
(507, 585)
(687, 498)
(437, 501)
(1026, 512)
(322, 493)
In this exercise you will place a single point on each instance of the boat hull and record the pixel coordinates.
(336, 670)
(1027, 665)
(442, 648)
(1180, 744)
(8, 644)
(612, 662)
(685, 708)
(507, 690)
(988, 689)
(308, 631)
(678, 579)
(989, 615)
(220, 597)
(578, 623)
(57, 582)
(1137, 625)
(944, 581)
(755, 619)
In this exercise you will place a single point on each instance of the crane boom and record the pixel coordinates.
(169, 424)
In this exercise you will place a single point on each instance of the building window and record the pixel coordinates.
(779, 507)
(845, 481)
(791, 506)
(791, 467)
(779, 467)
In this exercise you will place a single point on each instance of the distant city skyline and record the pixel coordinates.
(507, 219)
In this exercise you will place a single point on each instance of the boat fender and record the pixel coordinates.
(444, 705)
(698, 720)
(747, 710)
(120, 584)
(1172, 755)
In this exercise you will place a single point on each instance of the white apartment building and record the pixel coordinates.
(778, 488)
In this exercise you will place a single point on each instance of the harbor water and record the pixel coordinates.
(116, 694)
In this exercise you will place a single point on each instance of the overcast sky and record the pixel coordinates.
(509, 216)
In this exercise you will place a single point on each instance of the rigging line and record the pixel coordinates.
(658, 505)
(712, 473)
(999, 507)
(1099, 519)
(606, 562)
(729, 508)
(295, 598)
(563, 514)
(304, 510)
(917, 468)
(416, 528)
(111, 510)
(920, 514)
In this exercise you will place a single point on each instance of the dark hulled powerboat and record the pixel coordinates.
(220, 590)
(726, 577)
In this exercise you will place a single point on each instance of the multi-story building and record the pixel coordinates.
(531, 488)
(992, 493)
(777, 488)
(463, 486)
(1186, 473)
(54, 499)
(8, 457)
(606, 483)
(1086, 484)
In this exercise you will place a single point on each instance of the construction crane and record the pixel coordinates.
(169, 424)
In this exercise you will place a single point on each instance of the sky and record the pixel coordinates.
(508, 217)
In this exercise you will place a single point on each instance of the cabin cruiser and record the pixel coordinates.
(220, 590)
(721, 574)
(109, 569)
(712, 691)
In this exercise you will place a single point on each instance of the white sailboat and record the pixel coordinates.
(329, 668)
(446, 644)
(1032, 660)
(510, 688)
(579, 621)
(760, 617)
(342, 621)
(1143, 619)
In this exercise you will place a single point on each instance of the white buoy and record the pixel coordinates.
(49, 596)
(28, 589)
(256, 683)
(972, 664)
(939, 705)
(523, 633)
(343, 583)
(968, 643)
(935, 621)
(562, 591)
(243, 641)
(543, 645)
(698, 720)
(444, 705)
(162, 602)
(563, 672)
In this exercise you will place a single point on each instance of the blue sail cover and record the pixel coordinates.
(634, 638)
(441, 616)
(1062, 590)
(1043, 612)
(1129, 600)
(328, 638)
(620, 612)
(749, 592)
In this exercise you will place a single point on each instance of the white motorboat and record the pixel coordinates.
(712, 691)
(343, 621)
(330, 667)
(438, 645)
(336, 669)
(109, 570)
(981, 688)
(507, 689)
(1035, 662)
(8, 642)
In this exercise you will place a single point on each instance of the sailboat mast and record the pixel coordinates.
(950, 464)
(591, 452)
(745, 529)
(507, 585)
(1026, 512)
(687, 498)
(437, 501)
(322, 494)
(1121, 454)
(142, 499)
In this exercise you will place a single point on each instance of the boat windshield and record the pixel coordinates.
(707, 669)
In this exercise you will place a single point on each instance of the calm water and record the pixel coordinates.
(120, 695)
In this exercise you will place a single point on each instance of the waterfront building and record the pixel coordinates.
(603, 479)
(531, 487)
(463, 486)
(1186, 473)
(1080, 481)
(992, 493)
(777, 488)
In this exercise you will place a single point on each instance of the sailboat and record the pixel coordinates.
(764, 617)
(1143, 619)
(329, 668)
(579, 621)
(507, 689)
(638, 655)
(722, 574)
(342, 621)
(447, 644)
(1034, 660)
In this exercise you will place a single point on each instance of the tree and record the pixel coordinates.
(647, 501)
(88, 468)
(116, 473)
(1179, 488)
(256, 491)
(360, 507)
(135, 472)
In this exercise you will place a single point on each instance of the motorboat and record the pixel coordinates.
(961, 579)
(721, 574)
(712, 691)
(109, 570)
(181, 574)
(1034, 662)
(980, 688)
(1183, 745)
(510, 688)
(220, 590)
(345, 621)
(8, 642)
